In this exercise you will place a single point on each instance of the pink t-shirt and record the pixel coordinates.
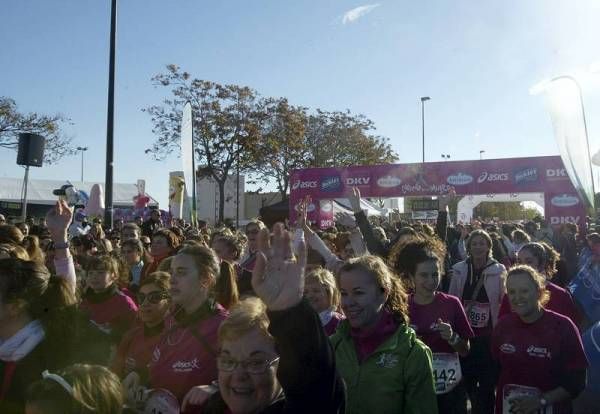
(446, 307)
(135, 350)
(536, 354)
(560, 302)
(115, 313)
(181, 360)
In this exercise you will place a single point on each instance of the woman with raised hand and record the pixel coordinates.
(479, 282)
(387, 369)
(543, 261)
(543, 364)
(253, 229)
(186, 353)
(273, 354)
(439, 319)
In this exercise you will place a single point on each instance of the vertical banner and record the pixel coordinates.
(565, 104)
(187, 158)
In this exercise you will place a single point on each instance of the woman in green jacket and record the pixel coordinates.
(387, 369)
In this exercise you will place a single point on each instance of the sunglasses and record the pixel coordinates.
(153, 297)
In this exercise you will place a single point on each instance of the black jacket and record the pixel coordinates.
(306, 372)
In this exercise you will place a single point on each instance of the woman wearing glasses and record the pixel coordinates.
(186, 353)
(274, 356)
(135, 350)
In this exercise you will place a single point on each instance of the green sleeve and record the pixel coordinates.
(420, 397)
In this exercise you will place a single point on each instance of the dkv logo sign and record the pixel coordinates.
(460, 179)
(564, 200)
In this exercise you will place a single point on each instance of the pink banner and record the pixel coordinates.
(514, 175)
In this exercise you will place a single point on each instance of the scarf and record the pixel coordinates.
(22, 343)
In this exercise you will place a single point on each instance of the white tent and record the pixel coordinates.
(40, 191)
(343, 205)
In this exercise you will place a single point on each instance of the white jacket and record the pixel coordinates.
(494, 276)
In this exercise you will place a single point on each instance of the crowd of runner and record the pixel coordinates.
(360, 318)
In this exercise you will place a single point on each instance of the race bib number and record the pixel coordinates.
(446, 372)
(478, 313)
(161, 401)
(512, 392)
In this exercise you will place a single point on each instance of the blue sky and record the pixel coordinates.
(476, 60)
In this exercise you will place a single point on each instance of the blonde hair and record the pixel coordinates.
(397, 301)
(249, 314)
(538, 280)
(95, 390)
(14, 251)
(326, 279)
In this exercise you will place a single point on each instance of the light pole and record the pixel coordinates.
(82, 149)
(423, 99)
(110, 120)
(446, 157)
(481, 154)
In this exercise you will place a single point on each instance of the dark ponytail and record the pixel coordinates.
(226, 290)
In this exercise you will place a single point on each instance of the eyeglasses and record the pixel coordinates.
(153, 297)
(251, 366)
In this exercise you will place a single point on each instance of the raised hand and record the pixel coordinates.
(354, 198)
(278, 277)
(58, 219)
(301, 222)
(446, 199)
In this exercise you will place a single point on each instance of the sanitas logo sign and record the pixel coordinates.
(564, 200)
(492, 177)
(331, 184)
(304, 184)
(326, 206)
(389, 181)
(460, 179)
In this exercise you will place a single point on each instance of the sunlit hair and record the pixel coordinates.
(221, 276)
(162, 280)
(326, 279)
(31, 243)
(414, 251)
(374, 266)
(132, 226)
(255, 222)
(519, 236)
(536, 250)
(95, 390)
(14, 251)
(538, 280)
(97, 232)
(245, 316)
(165, 264)
(102, 262)
(233, 243)
(552, 258)
(486, 237)
(10, 234)
(169, 236)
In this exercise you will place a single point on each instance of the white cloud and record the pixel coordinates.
(353, 15)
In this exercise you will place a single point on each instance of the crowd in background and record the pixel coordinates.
(367, 316)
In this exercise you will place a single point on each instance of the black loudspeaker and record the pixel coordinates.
(31, 150)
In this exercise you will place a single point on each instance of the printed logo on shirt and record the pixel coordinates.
(186, 366)
(539, 352)
(508, 348)
(387, 361)
(156, 355)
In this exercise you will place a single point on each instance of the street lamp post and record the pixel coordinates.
(82, 149)
(110, 120)
(481, 154)
(423, 99)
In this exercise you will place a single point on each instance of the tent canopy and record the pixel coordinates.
(40, 191)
